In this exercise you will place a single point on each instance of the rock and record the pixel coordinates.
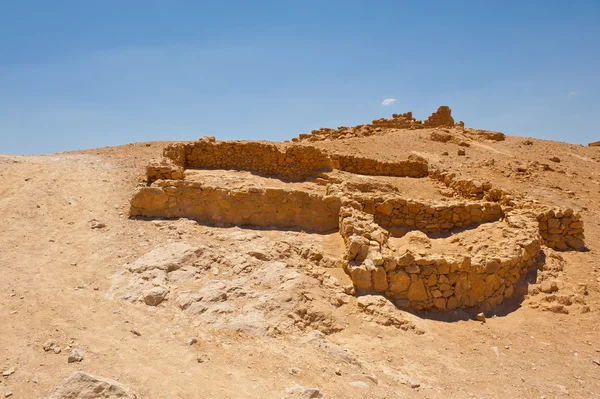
(440, 137)
(556, 308)
(94, 224)
(49, 345)
(417, 291)
(136, 332)
(555, 159)
(202, 358)
(8, 372)
(312, 393)
(57, 349)
(295, 371)
(154, 296)
(8, 394)
(480, 317)
(462, 152)
(191, 341)
(81, 385)
(399, 281)
(76, 355)
(168, 257)
(305, 392)
(359, 384)
(548, 286)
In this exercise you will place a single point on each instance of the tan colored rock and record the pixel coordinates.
(380, 282)
(81, 385)
(399, 281)
(417, 291)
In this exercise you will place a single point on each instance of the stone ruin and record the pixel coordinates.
(441, 118)
(420, 254)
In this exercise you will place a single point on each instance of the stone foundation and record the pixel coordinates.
(260, 207)
(423, 279)
(287, 162)
(561, 229)
(413, 167)
(372, 219)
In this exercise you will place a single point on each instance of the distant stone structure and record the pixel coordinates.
(441, 118)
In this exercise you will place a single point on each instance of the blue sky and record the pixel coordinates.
(83, 74)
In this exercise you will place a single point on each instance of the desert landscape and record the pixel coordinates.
(396, 259)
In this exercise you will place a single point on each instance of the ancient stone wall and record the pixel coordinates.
(163, 169)
(413, 167)
(398, 121)
(262, 207)
(562, 229)
(288, 162)
(392, 212)
(467, 188)
(422, 280)
(441, 117)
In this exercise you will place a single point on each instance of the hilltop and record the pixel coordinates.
(336, 260)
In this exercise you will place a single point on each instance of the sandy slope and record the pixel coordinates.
(55, 271)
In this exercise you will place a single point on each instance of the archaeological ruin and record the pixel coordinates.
(465, 251)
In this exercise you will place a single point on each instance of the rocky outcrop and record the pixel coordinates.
(81, 385)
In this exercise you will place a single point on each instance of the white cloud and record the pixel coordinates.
(571, 94)
(388, 101)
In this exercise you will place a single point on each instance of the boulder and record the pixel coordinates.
(81, 385)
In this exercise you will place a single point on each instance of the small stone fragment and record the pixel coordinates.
(359, 384)
(548, 286)
(8, 372)
(202, 358)
(480, 317)
(76, 355)
(154, 296)
(191, 341)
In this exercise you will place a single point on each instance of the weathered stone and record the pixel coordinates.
(399, 281)
(417, 291)
(380, 282)
(82, 385)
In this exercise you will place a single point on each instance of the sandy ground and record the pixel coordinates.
(55, 271)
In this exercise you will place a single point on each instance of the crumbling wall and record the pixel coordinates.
(288, 162)
(262, 207)
(435, 281)
(467, 188)
(413, 167)
(392, 212)
(398, 121)
(163, 169)
(441, 117)
(562, 229)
